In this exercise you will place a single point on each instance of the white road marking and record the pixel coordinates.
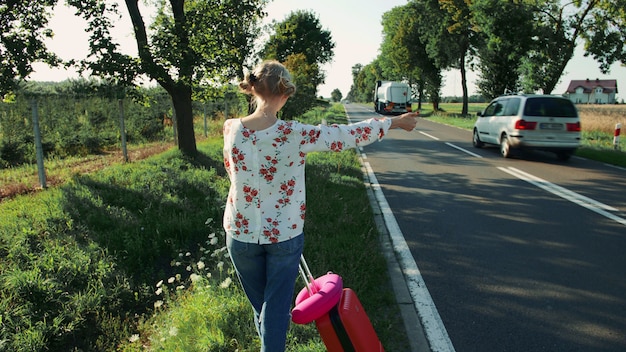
(564, 193)
(428, 135)
(434, 329)
(464, 150)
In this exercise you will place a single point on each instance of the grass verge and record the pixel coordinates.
(131, 258)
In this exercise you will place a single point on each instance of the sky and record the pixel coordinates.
(355, 27)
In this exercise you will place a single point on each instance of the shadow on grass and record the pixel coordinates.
(144, 214)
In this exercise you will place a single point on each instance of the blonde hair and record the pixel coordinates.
(268, 80)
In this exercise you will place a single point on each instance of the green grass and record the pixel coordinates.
(131, 257)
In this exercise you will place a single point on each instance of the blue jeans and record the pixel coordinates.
(268, 274)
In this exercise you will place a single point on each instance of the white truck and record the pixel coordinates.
(392, 98)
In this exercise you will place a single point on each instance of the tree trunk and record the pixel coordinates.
(181, 99)
(464, 109)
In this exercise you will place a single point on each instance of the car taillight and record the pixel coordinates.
(525, 125)
(573, 127)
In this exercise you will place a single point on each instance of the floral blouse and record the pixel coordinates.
(266, 201)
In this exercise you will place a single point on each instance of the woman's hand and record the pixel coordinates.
(406, 121)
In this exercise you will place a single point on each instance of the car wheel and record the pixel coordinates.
(505, 147)
(476, 140)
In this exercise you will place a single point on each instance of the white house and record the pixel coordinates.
(598, 91)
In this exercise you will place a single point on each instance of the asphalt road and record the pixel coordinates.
(523, 254)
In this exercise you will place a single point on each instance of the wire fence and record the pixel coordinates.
(33, 129)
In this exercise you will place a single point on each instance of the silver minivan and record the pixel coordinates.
(516, 122)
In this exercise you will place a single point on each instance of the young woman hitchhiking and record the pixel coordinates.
(265, 208)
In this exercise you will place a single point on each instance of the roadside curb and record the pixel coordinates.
(414, 329)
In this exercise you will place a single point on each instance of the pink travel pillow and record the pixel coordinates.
(326, 294)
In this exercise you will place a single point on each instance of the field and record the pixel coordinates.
(602, 118)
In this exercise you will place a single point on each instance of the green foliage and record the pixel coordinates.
(77, 118)
(336, 95)
(606, 37)
(121, 204)
(507, 29)
(303, 75)
(404, 53)
(23, 22)
(300, 33)
(365, 78)
(303, 46)
(59, 289)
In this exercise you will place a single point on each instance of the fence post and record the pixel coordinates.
(38, 147)
(123, 129)
(618, 130)
(206, 127)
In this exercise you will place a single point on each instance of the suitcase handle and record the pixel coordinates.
(309, 280)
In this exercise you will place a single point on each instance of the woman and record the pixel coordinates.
(265, 208)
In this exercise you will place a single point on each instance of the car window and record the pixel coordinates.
(495, 109)
(552, 107)
(512, 106)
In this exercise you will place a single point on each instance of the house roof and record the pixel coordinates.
(588, 85)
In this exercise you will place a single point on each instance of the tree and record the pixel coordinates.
(306, 87)
(23, 22)
(365, 81)
(192, 43)
(450, 37)
(336, 95)
(300, 33)
(557, 29)
(606, 37)
(507, 31)
(303, 46)
(352, 94)
(403, 53)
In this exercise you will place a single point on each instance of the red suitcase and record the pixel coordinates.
(346, 327)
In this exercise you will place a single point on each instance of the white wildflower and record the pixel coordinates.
(194, 277)
(226, 282)
(180, 287)
(213, 241)
(200, 265)
(159, 283)
(173, 331)
(208, 275)
(158, 304)
(188, 268)
(171, 280)
(178, 277)
(188, 254)
(178, 264)
(159, 291)
(220, 265)
(133, 338)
